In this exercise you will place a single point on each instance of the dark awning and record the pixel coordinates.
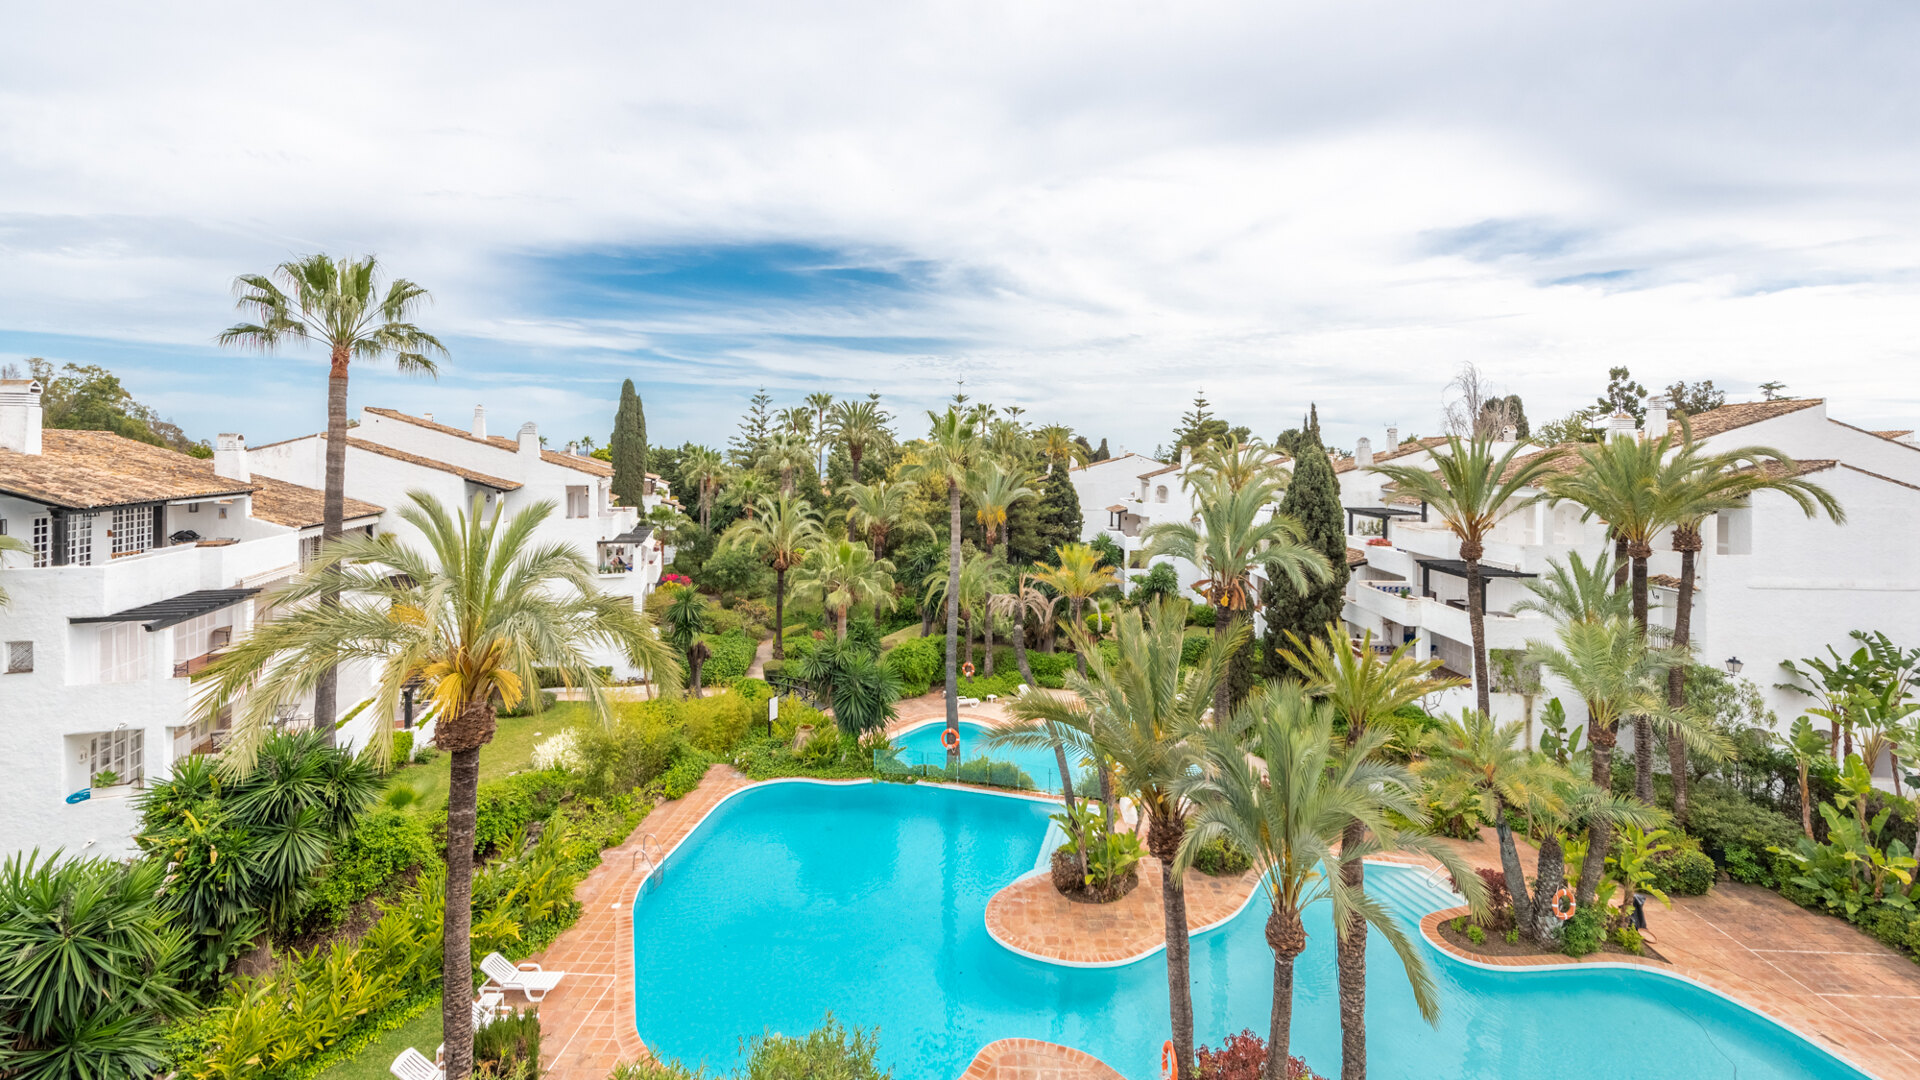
(1458, 568)
(164, 613)
(1381, 511)
(636, 535)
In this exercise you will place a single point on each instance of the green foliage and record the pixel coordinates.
(1851, 871)
(628, 753)
(1736, 830)
(1476, 935)
(1313, 500)
(402, 747)
(1111, 554)
(829, 1052)
(918, 662)
(732, 655)
(1158, 583)
(530, 704)
(508, 1048)
(1629, 939)
(385, 844)
(508, 805)
(92, 968)
(549, 678)
(88, 397)
(1583, 934)
(628, 446)
(1218, 857)
(1202, 616)
(990, 773)
(1111, 856)
(1684, 872)
(683, 776)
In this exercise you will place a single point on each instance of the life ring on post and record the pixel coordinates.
(1169, 1065)
(950, 739)
(1563, 905)
(967, 669)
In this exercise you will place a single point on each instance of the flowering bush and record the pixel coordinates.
(1244, 1057)
(681, 580)
(1379, 541)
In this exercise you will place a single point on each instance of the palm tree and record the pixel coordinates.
(1473, 489)
(845, 575)
(786, 451)
(980, 578)
(706, 469)
(10, 543)
(879, 509)
(782, 532)
(337, 303)
(749, 488)
(469, 619)
(1693, 485)
(682, 621)
(821, 403)
(1078, 576)
(1021, 601)
(859, 425)
(1140, 712)
(951, 450)
(1364, 689)
(1057, 447)
(994, 489)
(1286, 804)
(1471, 757)
(1238, 465)
(1236, 535)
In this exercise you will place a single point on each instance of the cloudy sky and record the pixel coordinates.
(1090, 210)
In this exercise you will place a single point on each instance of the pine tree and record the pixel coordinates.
(1103, 454)
(1623, 396)
(629, 446)
(1036, 526)
(1199, 427)
(746, 446)
(1313, 499)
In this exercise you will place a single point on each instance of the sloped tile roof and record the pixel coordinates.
(500, 442)
(298, 507)
(1405, 448)
(90, 470)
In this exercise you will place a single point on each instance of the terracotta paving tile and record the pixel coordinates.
(1032, 917)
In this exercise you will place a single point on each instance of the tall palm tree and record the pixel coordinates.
(706, 469)
(821, 403)
(469, 619)
(13, 543)
(786, 452)
(980, 578)
(1473, 489)
(859, 426)
(1238, 465)
(949, 453)
(994, 489)
(682, 621)
(1057, 448)
(1141, 713)
(1078, 575)
(1285, 804)
(879, 510)
(781, 533)
(749, 488)
(845, 575)
(338, 304)
(1364, 689)
(1693, 485)
(1237, 533)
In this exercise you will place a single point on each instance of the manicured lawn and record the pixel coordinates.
(422, 1033)
(510, 751)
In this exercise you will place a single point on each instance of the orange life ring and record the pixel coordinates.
(1168, 1064)
(967, 669)
(1563, 905)
(950, 739)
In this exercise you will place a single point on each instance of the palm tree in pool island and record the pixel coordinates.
(338, 304)
(470, 618)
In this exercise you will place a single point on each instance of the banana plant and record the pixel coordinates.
(1806, 746)
(1632, 864)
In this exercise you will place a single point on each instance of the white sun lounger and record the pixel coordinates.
(413, 1065)
(528, 978)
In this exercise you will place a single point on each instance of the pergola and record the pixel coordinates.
(1458, 568)
(1384, 515)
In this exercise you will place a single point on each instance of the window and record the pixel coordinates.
(577, 502)
(121, 752)
(1160, 493)
(1734, 533)
(80, 540)
(42, 541)
(123, 653)
(19, 657)
(199, 636)
(132, 530)
(309, 550)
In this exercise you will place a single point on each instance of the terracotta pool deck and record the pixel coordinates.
(1814, 973)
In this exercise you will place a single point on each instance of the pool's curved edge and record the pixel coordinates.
(1446, 952)
(1125, 961)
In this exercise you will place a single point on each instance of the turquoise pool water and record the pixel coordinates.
(921, 746)
(869, 900)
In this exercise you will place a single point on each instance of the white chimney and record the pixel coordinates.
(1186, 457)
(20, 415)
(427, 416)
(529, 439)
(230, 457)
(1620, 423)
(1363, 452)
(1656, 425)
(479, 421)
(1393, 438)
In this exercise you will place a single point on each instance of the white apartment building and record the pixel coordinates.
(390, 454)
(1772, 584)
(142, 563)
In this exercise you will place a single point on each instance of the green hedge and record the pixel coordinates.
(550, 677)
(511, 803)
(732, 655)
(384, 845)
(921, 664)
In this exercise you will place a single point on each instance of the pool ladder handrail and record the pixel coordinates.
(648, 854)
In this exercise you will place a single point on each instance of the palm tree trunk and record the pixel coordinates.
(1477, 627)
(694, 665)
(987, 631)
(966, 631)
(1687, 541)
(840, 623)
(326, 692)
(854, 454)
(1222, 691)
(1079, 658)
(1642, 726)
(1020, 646)
(1550, 873)
(1351, 962)
(1515, 874)
(1288, 939)
(1806, 804)
(1163, 836)
(456, 956)
(779, 613)
(953, 621)
(1600, 740)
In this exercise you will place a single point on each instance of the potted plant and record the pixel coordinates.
(106, 778)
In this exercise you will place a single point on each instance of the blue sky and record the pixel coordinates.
(1091, 210)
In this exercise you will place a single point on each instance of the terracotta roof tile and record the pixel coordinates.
(1899, 434)
(297, 507)
(1428, 443)
(1356, 557)
(1159, 471)
(1104, 461)
(1739, 414)
(88, 470)
(494, 482)
(500, 442)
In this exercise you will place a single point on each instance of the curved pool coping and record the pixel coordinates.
(1444, 952)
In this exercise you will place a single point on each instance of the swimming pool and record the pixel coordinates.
(921, 746)
(869, 900)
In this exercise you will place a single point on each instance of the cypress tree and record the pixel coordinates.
(629, 446)
(1036, 526)
(1313, 499)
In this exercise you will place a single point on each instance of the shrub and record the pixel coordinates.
(531, 705)
(560, 751)
(1684, 873)
(1476, 935)
(1512, 937)
(628, 753)
(994, 774)
(550, 677)
(509, 1047)
(1629, 939)
(1744, 866)
(1723, 820)
(1499, 900)
(683, 776)
(402, 748)
(1050, 669)
(510, 804)
(918, 662)
(1583, 933)
(1194, 648)
(774, 668)
(830, 1052)
(386, 844)
(1243, 1057)
(732, 655)
(1219, 858)
(1203, 615)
